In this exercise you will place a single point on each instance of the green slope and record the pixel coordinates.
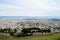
(44, 37)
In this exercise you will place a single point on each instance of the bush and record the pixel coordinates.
(11, 33)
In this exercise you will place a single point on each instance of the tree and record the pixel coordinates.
(25, 31)
(1, 30)
(10, 31)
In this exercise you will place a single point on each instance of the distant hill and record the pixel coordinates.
(30, 17)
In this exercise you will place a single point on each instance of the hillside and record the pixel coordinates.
(44, 37)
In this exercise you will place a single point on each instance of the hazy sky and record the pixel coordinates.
(29, 7)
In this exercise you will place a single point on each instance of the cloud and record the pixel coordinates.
(29, 8)
(36, 4)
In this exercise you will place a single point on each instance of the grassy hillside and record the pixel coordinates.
(44, 37)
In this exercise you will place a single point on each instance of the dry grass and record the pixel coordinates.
(44, 37)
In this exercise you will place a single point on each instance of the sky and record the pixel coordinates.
(29, 7)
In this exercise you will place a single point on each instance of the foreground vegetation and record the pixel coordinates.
(55, 36)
